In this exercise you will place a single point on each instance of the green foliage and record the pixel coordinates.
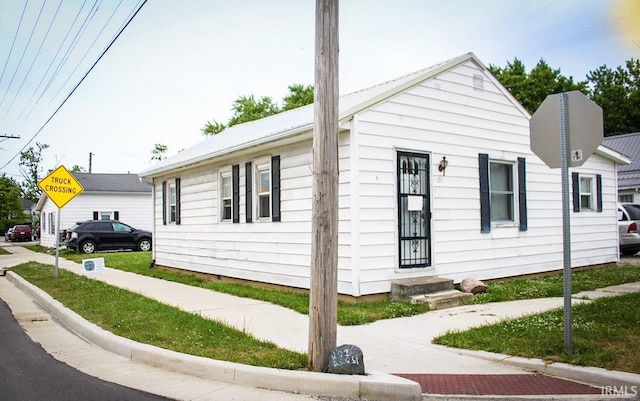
(30, 168)
(606, 333)
(618, 93)
(299, 95)
(553, 286)
(247, 108)
(78, 169)
(530, 89)
(158, 152)
(11, 211)
(145, 320)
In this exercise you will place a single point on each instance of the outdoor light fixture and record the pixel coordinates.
(443, 164)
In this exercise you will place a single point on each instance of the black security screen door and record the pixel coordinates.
(414, 218)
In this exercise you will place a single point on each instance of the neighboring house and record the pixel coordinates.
(27, 206)
(628, 175)
(106, 196)
(239, 204)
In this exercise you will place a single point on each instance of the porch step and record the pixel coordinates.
(403, 290)
(443, 299)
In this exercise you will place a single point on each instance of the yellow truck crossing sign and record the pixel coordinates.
(60, 186)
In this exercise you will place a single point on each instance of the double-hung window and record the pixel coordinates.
(503, 193)
(263, 192)
(266, 189)
(171, 201)
(587, 192)
(226, 196)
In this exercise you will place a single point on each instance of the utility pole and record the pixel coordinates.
(10, 136)
(90, 161)
(323, 300)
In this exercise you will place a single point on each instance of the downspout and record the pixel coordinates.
(354, 157)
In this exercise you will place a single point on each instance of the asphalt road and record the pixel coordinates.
(27, 372)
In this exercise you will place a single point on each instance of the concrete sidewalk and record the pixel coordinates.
(395, 346)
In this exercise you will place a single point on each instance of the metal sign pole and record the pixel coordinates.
(566, 222)
(57, 230)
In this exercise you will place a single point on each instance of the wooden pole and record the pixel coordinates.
(323, 302)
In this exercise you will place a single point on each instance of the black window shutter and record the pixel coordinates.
(235, 185)
(248, 185)
(485, 200)
(599, 193)
(522, 193)
(275, 188)
(575, 181)
(164, 203)
(178, 200)
(116, 215)
(95, 215)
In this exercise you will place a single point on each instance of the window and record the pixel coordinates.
(263, 180)
(587, 192)
(267, 189)
(52, 225)
(171, 201)
(502, 189)
(625, 198)
(225, 196)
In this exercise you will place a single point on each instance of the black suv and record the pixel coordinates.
(99, 235)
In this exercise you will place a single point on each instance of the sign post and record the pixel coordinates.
(573, 123)
(61, 187)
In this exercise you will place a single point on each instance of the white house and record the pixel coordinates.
(239, 204)
(106, 196)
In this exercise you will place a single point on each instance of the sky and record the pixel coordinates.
(179, 64)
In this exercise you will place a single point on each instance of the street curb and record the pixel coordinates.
(373, 385)
(598, 377)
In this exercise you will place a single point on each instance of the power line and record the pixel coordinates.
(141, 4)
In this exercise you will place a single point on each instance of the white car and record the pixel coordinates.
(628, 228)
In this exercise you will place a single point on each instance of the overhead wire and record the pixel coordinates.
(14, 40)
(22, 56)
(50, 65)
(46, 35)
(113, 40)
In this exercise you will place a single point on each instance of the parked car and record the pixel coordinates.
(21, 232)
(7, 235)
(101, 235)
(628, 225)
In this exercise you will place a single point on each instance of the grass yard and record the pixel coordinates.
(606, 333)
(147, 321)
(348, 313)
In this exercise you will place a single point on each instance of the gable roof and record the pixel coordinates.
(293, 122)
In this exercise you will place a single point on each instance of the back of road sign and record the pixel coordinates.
(584, 127)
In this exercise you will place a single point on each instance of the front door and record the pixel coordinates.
(414, 210)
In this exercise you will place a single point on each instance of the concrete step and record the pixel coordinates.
(443, 299)
(403, 290)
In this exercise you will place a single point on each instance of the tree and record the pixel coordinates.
(299, 95)
(212, 128)
(530, 89)
(30, 169)
(11, 211)
(247, 108)
(618, 93)
(158, 152)
(78, 169)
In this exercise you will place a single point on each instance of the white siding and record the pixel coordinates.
(134, 209)
(443, 116)
(446, 116)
